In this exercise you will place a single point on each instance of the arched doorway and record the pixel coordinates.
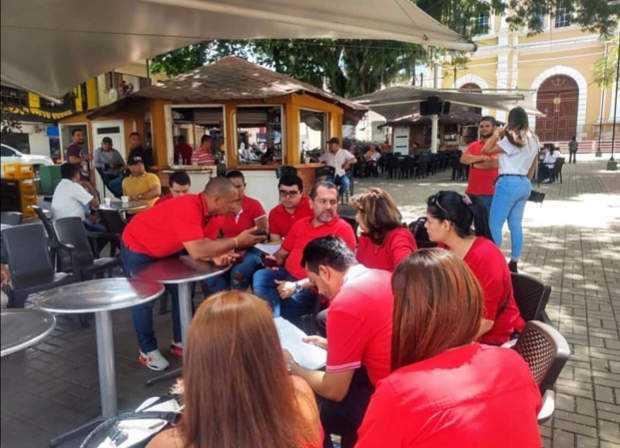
(557, 98)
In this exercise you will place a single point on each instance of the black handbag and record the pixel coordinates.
(536, 196)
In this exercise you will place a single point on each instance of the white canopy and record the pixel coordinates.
(51, 46)
(396, 102)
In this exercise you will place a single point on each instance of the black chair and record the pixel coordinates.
(53, 242)
(11, 218)
(531, 296)
(546, 351)
(29, 263)
(76, 250)
(557, 169)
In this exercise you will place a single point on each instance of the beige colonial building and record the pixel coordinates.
(553, 68)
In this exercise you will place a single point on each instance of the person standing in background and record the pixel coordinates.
(137, 149)
(573, 146)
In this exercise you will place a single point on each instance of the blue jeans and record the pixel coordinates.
(142, 315)
(485, 200)
(116, 186)
(511, 193)
(299, 304)
(345, 184)
(239, 276)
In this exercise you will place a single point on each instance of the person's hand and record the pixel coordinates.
(316, 340)
(270, 262)
(249, 238)
(225, 259)
(288, 360)
(286, 289)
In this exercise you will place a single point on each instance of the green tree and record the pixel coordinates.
(605, 67)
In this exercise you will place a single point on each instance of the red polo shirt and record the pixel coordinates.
(281, 221)
(489, 266)
(359, 323)
(230, 226)
(303, 232)
(474, 396)
(161, 230)
(481, 182)
(397, 245)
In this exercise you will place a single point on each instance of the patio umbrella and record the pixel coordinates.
(50, 46)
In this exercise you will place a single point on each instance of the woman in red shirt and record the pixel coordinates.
(248, 398)
(446, 390)
(384, 242)
(449, 219)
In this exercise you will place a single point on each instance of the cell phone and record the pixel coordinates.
(260, 232)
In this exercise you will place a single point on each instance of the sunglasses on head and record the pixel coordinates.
(434, 200)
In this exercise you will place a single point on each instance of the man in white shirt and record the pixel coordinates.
(341, 160)
(545, 171)
(71, 199)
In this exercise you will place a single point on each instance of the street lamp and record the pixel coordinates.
(612, 165)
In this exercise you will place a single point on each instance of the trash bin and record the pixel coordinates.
(49, 177)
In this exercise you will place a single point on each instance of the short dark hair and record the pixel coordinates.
(323, 183)
(68, 170)
(179, 177)
(490, 119)
(181, 138)
(290, 180)
(74, 131)
(328, 251)
(205, 138)
(134, 133)
(107, 140)
(235, 174)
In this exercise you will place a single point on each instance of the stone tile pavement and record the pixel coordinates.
(572, 242)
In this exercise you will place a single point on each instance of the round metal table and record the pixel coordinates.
(100, 296)
(22, 328)
(131, 206)
(180, 271)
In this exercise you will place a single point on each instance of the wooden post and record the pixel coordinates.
(158, 122)
(230, 111)
(292, 154)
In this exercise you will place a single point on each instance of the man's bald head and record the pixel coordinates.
(222, 196)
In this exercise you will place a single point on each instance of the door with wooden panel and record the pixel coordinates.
(558, 97)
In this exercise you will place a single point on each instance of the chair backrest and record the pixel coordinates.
(559, 163)
(545, 350)
(47, 223)
(71, 231)
(112, 221)
(28, 255)
(531, 296)
(11, 218)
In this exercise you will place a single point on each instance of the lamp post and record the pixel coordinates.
(612, 165)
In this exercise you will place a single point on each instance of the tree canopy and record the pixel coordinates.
(354, 67)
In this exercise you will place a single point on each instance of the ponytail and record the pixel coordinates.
(481, 217)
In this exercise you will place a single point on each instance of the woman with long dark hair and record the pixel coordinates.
(445, 389)
(460, 224)
(517, 147)
(384, 242)
(237, 390)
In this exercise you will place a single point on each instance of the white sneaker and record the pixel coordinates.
(154, 360)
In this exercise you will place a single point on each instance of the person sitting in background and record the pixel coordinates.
(71, 199)
(204, 154)
(229, 226)
(179, 185)
(138, 150)
(287, 288)
(449, 221)
(546, 167)
(182, 152)
(111, 165)
(293, 207)
(445, 389)
(140, 185)
(341, 160)
(261, 405)
(384, 241)
(359, 329)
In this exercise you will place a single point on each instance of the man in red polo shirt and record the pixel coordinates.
(359, 335)
(166, 230)
(229, 226)
(287, 288)
(293, 207)
(482, 168)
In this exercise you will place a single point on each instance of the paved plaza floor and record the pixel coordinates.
(572, 242)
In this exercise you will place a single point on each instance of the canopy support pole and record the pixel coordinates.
(434, 133)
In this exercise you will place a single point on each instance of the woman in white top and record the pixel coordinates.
(517, 147)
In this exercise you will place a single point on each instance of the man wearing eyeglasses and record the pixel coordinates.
(294, 205)
(483, 169)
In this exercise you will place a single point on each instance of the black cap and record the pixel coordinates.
(335, 140)
(134, 159)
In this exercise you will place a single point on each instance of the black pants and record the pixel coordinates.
(572, 157)
(345, 417)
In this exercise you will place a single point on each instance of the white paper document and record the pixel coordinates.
(268, 248)
(306, 355)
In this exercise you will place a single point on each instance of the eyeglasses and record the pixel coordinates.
(288, 193)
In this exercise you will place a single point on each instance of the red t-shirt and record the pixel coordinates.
(163, 199)
(489, 266)
(359, 323)
(397, 245)
(475, 396)
(481, 182)
(230, 226)
(281, 221)
(161, 230)
(303, 232)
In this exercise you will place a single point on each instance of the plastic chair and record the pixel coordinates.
(77, 252)
(54, 244)
(11, 218)
(546, 351)
(29, 263)
(531, 296)
(557, 169)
